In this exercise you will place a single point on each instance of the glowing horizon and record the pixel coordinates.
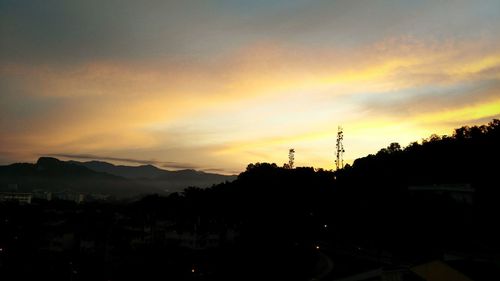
(218, 85)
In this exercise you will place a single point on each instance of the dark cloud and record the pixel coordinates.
(70, 31)
(221, 171)
(61, 31)
(165, 164)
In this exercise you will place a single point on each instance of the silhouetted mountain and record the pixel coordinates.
(130, 172)
(196, 176)
(50, 168)
(188, 176)
(52, 174)
(100, 177)
(151, 175)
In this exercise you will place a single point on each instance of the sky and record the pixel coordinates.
(216, 85)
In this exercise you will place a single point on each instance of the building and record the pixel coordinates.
(461, 193)
(69, 196)
(42, 194)
(24, 198)
(431, 271)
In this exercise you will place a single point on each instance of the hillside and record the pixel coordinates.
(363, 218)
(183, 178)
(371, 204)
(51, 174)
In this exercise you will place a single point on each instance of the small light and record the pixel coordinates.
(317, 247)
(192, 270)
(326, 226)
(1, 249)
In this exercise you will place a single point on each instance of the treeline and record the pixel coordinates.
(368, 203)
(374, 194)
(468, 156)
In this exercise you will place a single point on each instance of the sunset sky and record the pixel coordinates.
(215, 85)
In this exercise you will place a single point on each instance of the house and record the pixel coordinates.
(460, 193)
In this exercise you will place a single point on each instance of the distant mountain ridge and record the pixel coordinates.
(52, 174)
(151, 172)
(130, 172)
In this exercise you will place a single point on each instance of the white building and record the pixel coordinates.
(24, 198)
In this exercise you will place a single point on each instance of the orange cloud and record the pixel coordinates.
(252, 104)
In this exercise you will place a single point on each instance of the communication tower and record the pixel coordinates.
(339, 163)
(291, 158)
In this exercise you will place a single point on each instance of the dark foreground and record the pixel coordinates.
(402, 214)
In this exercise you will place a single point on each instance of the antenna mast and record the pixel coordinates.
(339, 163)
(291, 158)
